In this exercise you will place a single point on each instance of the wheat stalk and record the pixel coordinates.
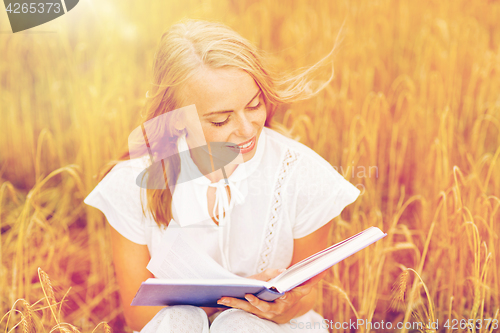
(48, 291)
(399, 290)
(344, 296)
(107, 328)
(28, 317)
(25, 324)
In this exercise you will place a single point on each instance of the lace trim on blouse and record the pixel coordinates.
(289, 161)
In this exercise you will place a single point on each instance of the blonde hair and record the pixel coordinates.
(182, 51)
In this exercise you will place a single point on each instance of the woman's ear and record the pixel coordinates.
(179, 121)
(179, 126)
(179, 130)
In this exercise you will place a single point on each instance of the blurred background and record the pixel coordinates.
(412, 118)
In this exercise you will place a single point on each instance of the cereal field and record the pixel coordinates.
(412, 118)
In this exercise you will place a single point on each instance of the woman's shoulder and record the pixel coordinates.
(122, 178)
(118, 196)
(315, 191)
(127, 169)
(304, 155)
(131, 165)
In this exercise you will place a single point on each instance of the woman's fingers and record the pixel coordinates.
(278, 309)
(270, 310)
(256, 306)
(246, 306)
(258, 303)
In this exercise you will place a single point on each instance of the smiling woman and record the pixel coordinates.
(274, 208)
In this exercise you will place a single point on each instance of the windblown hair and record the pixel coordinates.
(183, 50)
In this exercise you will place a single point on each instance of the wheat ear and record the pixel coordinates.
(47, 290)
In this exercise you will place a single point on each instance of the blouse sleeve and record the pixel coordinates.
(322, 195)
(118, 197)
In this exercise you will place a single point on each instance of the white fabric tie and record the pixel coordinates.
(221, 196)
(223, 205)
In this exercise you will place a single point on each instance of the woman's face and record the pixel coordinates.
(230, 108)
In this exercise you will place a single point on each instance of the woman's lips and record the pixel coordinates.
(244, 143)
(248, 149)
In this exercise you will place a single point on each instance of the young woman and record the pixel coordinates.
(274, 208)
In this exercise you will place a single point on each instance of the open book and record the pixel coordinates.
(205, 282)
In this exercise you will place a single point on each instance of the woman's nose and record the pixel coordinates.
(245, 127)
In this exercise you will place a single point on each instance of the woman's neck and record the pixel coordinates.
(206, 170)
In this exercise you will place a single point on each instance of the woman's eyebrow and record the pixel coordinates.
(226, 111)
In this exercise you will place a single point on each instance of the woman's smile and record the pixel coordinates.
(246, 147)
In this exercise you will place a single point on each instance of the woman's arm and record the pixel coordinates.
(300, 299)
(130, 261)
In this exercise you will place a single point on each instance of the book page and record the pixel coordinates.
(179, 259)
(316, 256)
(318, 262)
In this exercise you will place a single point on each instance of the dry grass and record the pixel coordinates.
(415, 97)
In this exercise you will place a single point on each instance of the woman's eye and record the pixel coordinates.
(248, 107)
(255, 107)
(221, 123)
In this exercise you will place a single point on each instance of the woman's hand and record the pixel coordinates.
(281, 310)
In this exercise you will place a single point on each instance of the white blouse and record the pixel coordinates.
(286, 191)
